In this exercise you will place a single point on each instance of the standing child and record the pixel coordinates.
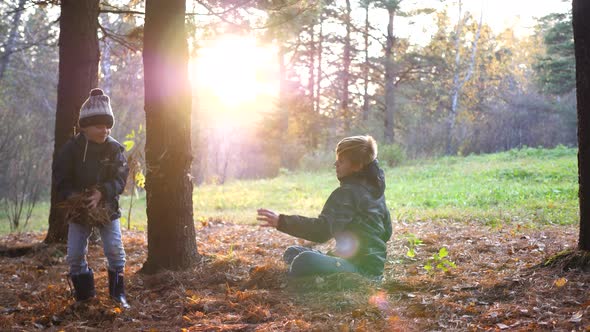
(92, 163)
(355, 215)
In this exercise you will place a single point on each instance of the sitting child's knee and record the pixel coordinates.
(306, 263)
(290, 254)
(304, 258)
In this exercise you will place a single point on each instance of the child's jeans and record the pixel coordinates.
(78, 246)
(305, 261)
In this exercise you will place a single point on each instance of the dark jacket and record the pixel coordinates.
(82, 164)
(356, 210)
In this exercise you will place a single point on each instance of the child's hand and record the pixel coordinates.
(94, 197)
(270, 218)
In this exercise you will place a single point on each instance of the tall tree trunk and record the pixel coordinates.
(344, 100)
(366, 66)
(284, 111)
(171, 231)
(106, 82)
(78, 73)
(581, 12)
(458, 83)
(312, 51)
(389, 80)
(107, 74)
(315, 126)
(9, 45)
(279, 149)
(455, 90)
(319, 70)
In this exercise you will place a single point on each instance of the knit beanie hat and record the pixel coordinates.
(96, 110)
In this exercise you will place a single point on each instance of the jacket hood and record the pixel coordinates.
(372, 176)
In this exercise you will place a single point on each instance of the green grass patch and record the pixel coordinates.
(526, 186)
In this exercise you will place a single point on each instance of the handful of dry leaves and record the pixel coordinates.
(76, 210)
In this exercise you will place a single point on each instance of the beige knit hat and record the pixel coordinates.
(96, 110)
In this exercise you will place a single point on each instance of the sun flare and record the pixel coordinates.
(233, 72)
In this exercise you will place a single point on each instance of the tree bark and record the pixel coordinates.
(283, 93)
(366, 66)
(344, 100)
(319, 70)
(78, 73)
(389, 134)
(9, 45)
(455, 89)
(171, 231)
(284, 114)
(315, 126)
(458, 83)
(311, 50)
(106, 81)
(581, 12)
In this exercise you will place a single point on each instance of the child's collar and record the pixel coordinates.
(81, 137)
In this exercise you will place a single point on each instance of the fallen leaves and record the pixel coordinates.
(242, 286)
(577, 317)
(560, 282)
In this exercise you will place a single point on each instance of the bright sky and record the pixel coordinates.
(499, 14)
(518, 13)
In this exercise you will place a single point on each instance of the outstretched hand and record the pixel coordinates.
(93, 198)
(268, 218)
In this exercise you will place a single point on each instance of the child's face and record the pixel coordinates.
(344, 167)
(97, 133)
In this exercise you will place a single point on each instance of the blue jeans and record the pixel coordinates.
(78, 246)
(305, 262)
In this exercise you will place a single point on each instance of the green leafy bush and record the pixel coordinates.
(391, 154)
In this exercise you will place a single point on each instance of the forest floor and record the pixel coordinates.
(498, 284)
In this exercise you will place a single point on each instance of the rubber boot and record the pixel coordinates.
(83, 285)
(117, 288)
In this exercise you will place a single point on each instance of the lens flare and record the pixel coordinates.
(379, 300)
(234, 77)
(347, 244)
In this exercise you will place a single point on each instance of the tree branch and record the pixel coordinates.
(120, 11)
(118, 38)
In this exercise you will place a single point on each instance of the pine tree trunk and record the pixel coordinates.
(319, 70)
(581, 12)
(344, 100)
(78, 73)
(106, 81)
(366, 67)
(315, 126)
(280, 148)
(389, 81)
(171, 231)
(311, 82)
(284, 122)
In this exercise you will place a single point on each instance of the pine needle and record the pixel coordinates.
(75, 211)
